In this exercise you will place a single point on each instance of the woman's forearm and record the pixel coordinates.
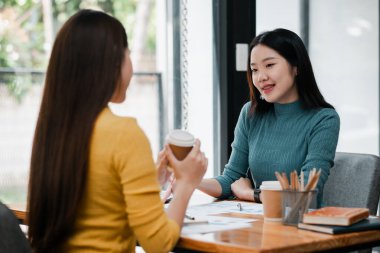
(177, 208)
(183, 192)
(211, 187)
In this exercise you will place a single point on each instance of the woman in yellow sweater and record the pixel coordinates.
(93, 184)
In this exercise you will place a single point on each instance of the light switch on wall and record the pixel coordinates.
(241, 56)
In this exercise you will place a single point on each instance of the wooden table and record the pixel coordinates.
(20, 211)
(275, 237)
(262, 237)
(271, 237)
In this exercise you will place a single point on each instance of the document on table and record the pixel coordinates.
(209, 227)
(208, 222)
(219, 207)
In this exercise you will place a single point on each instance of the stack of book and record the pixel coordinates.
(336, 220)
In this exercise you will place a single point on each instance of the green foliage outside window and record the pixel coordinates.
(22, 39)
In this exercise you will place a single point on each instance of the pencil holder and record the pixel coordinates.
(295, 204)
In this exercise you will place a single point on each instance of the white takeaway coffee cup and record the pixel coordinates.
(181, 142)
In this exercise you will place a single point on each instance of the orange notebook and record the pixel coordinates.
(341, 216)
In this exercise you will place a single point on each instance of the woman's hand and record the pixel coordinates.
(242, 189)
(191, 170)
(165, 197)
(188, 174)
(162, 167)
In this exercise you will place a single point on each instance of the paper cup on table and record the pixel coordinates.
(271, 196)
(181, 142)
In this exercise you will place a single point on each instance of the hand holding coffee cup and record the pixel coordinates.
(180, 142)
(162, 168)
(192, 168)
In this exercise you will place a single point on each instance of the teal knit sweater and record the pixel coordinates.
(286, 138)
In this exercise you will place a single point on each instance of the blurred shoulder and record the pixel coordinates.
(327, 117)
(328, 113)
(111, 124)
(245, 110)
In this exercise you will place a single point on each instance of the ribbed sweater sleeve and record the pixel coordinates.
(322, 142)
(154, 231)
(237, 165)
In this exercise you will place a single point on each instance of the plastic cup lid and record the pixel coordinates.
(270, 185)
(180, 138)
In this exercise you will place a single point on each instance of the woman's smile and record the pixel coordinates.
(266, 89)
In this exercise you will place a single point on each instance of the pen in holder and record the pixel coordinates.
(297, 199)
(295, 204)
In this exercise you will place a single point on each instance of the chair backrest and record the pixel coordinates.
(12, 239)
(354, 181)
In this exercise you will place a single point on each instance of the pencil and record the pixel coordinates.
(297, 185)
(292, 181)
(317, 175)
(281, 180)
(285, 179)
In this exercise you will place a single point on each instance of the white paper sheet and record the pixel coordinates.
(208, 228)
(217, 220)
(205, 220)
(225, 207)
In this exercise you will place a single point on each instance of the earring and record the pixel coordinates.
(261, 97)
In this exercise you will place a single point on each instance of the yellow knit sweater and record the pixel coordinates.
(121, 202)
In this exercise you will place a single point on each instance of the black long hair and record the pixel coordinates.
(290, 46)
(83, 73)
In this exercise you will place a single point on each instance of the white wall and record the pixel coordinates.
(271, 14)
(200, 81)
(344, 49)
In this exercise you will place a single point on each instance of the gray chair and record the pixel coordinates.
(12, 239)
(354, 181)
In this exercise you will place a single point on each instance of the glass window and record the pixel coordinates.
(27, 30)
(200, 82)
(185, 59)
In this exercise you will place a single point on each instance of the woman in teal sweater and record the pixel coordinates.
(286, 126)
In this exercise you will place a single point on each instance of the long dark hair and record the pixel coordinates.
(83, 73)
(290, 46)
